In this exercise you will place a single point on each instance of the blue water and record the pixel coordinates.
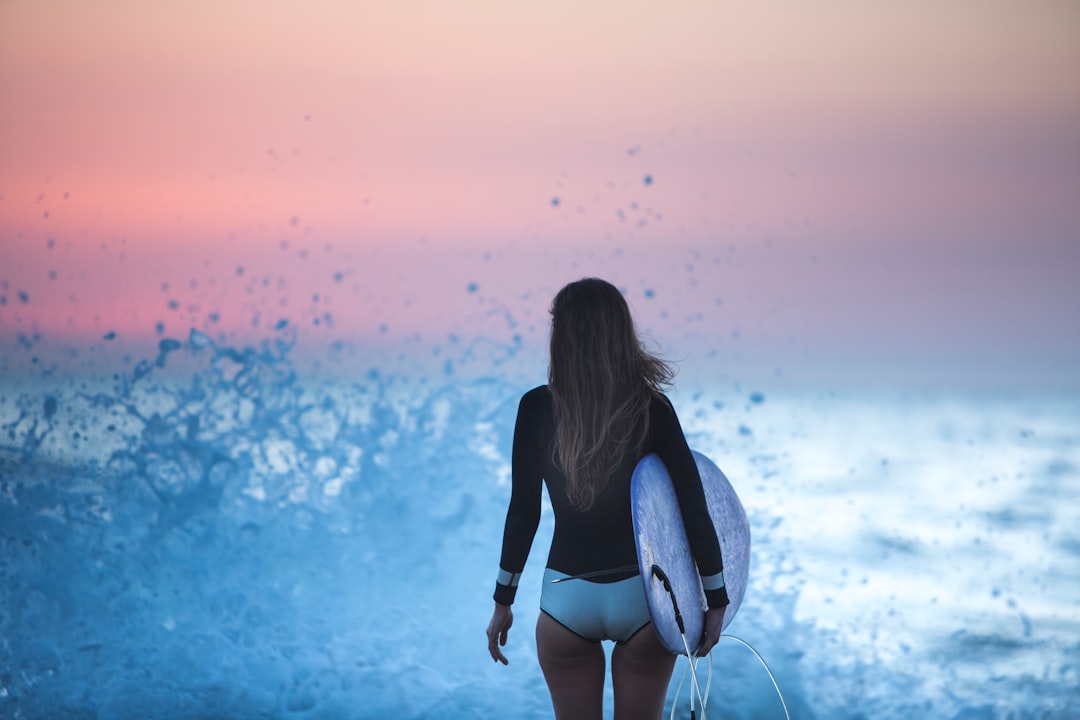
(218, 532)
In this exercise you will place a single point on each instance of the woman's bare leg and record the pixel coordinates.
(640, 673)
(574, 670)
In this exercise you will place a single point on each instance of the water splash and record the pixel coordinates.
(228, 537)
(214, 531)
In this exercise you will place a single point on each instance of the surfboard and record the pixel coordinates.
(661, 541)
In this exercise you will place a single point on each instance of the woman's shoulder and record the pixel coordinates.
(538, 391)
(535, 406)
(661, 402)
(538, 397)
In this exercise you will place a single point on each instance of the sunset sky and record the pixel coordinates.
(788, 182)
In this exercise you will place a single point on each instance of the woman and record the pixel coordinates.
(583, 433)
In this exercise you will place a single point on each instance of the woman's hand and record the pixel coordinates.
(714, 623)
(497, 629)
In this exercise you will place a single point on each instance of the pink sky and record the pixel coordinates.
(825, 177)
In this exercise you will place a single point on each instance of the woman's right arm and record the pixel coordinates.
(522, 519)
(523, 515)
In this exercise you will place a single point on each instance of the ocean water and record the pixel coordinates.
(215, 532)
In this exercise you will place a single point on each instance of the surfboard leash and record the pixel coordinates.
(692, 659)
(695, 688)
(764, 665)
(703, 699)
(691, 669)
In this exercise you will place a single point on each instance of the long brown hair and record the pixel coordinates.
(602, 380)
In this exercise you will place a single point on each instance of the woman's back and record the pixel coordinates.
(601, 537)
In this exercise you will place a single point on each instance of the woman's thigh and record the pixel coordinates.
(640, 673)
(574, 670)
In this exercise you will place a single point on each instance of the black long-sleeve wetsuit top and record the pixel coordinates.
(602, 537)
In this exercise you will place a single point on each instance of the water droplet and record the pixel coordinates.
(199, 339)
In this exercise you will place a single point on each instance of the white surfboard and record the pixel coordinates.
(661, 541)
